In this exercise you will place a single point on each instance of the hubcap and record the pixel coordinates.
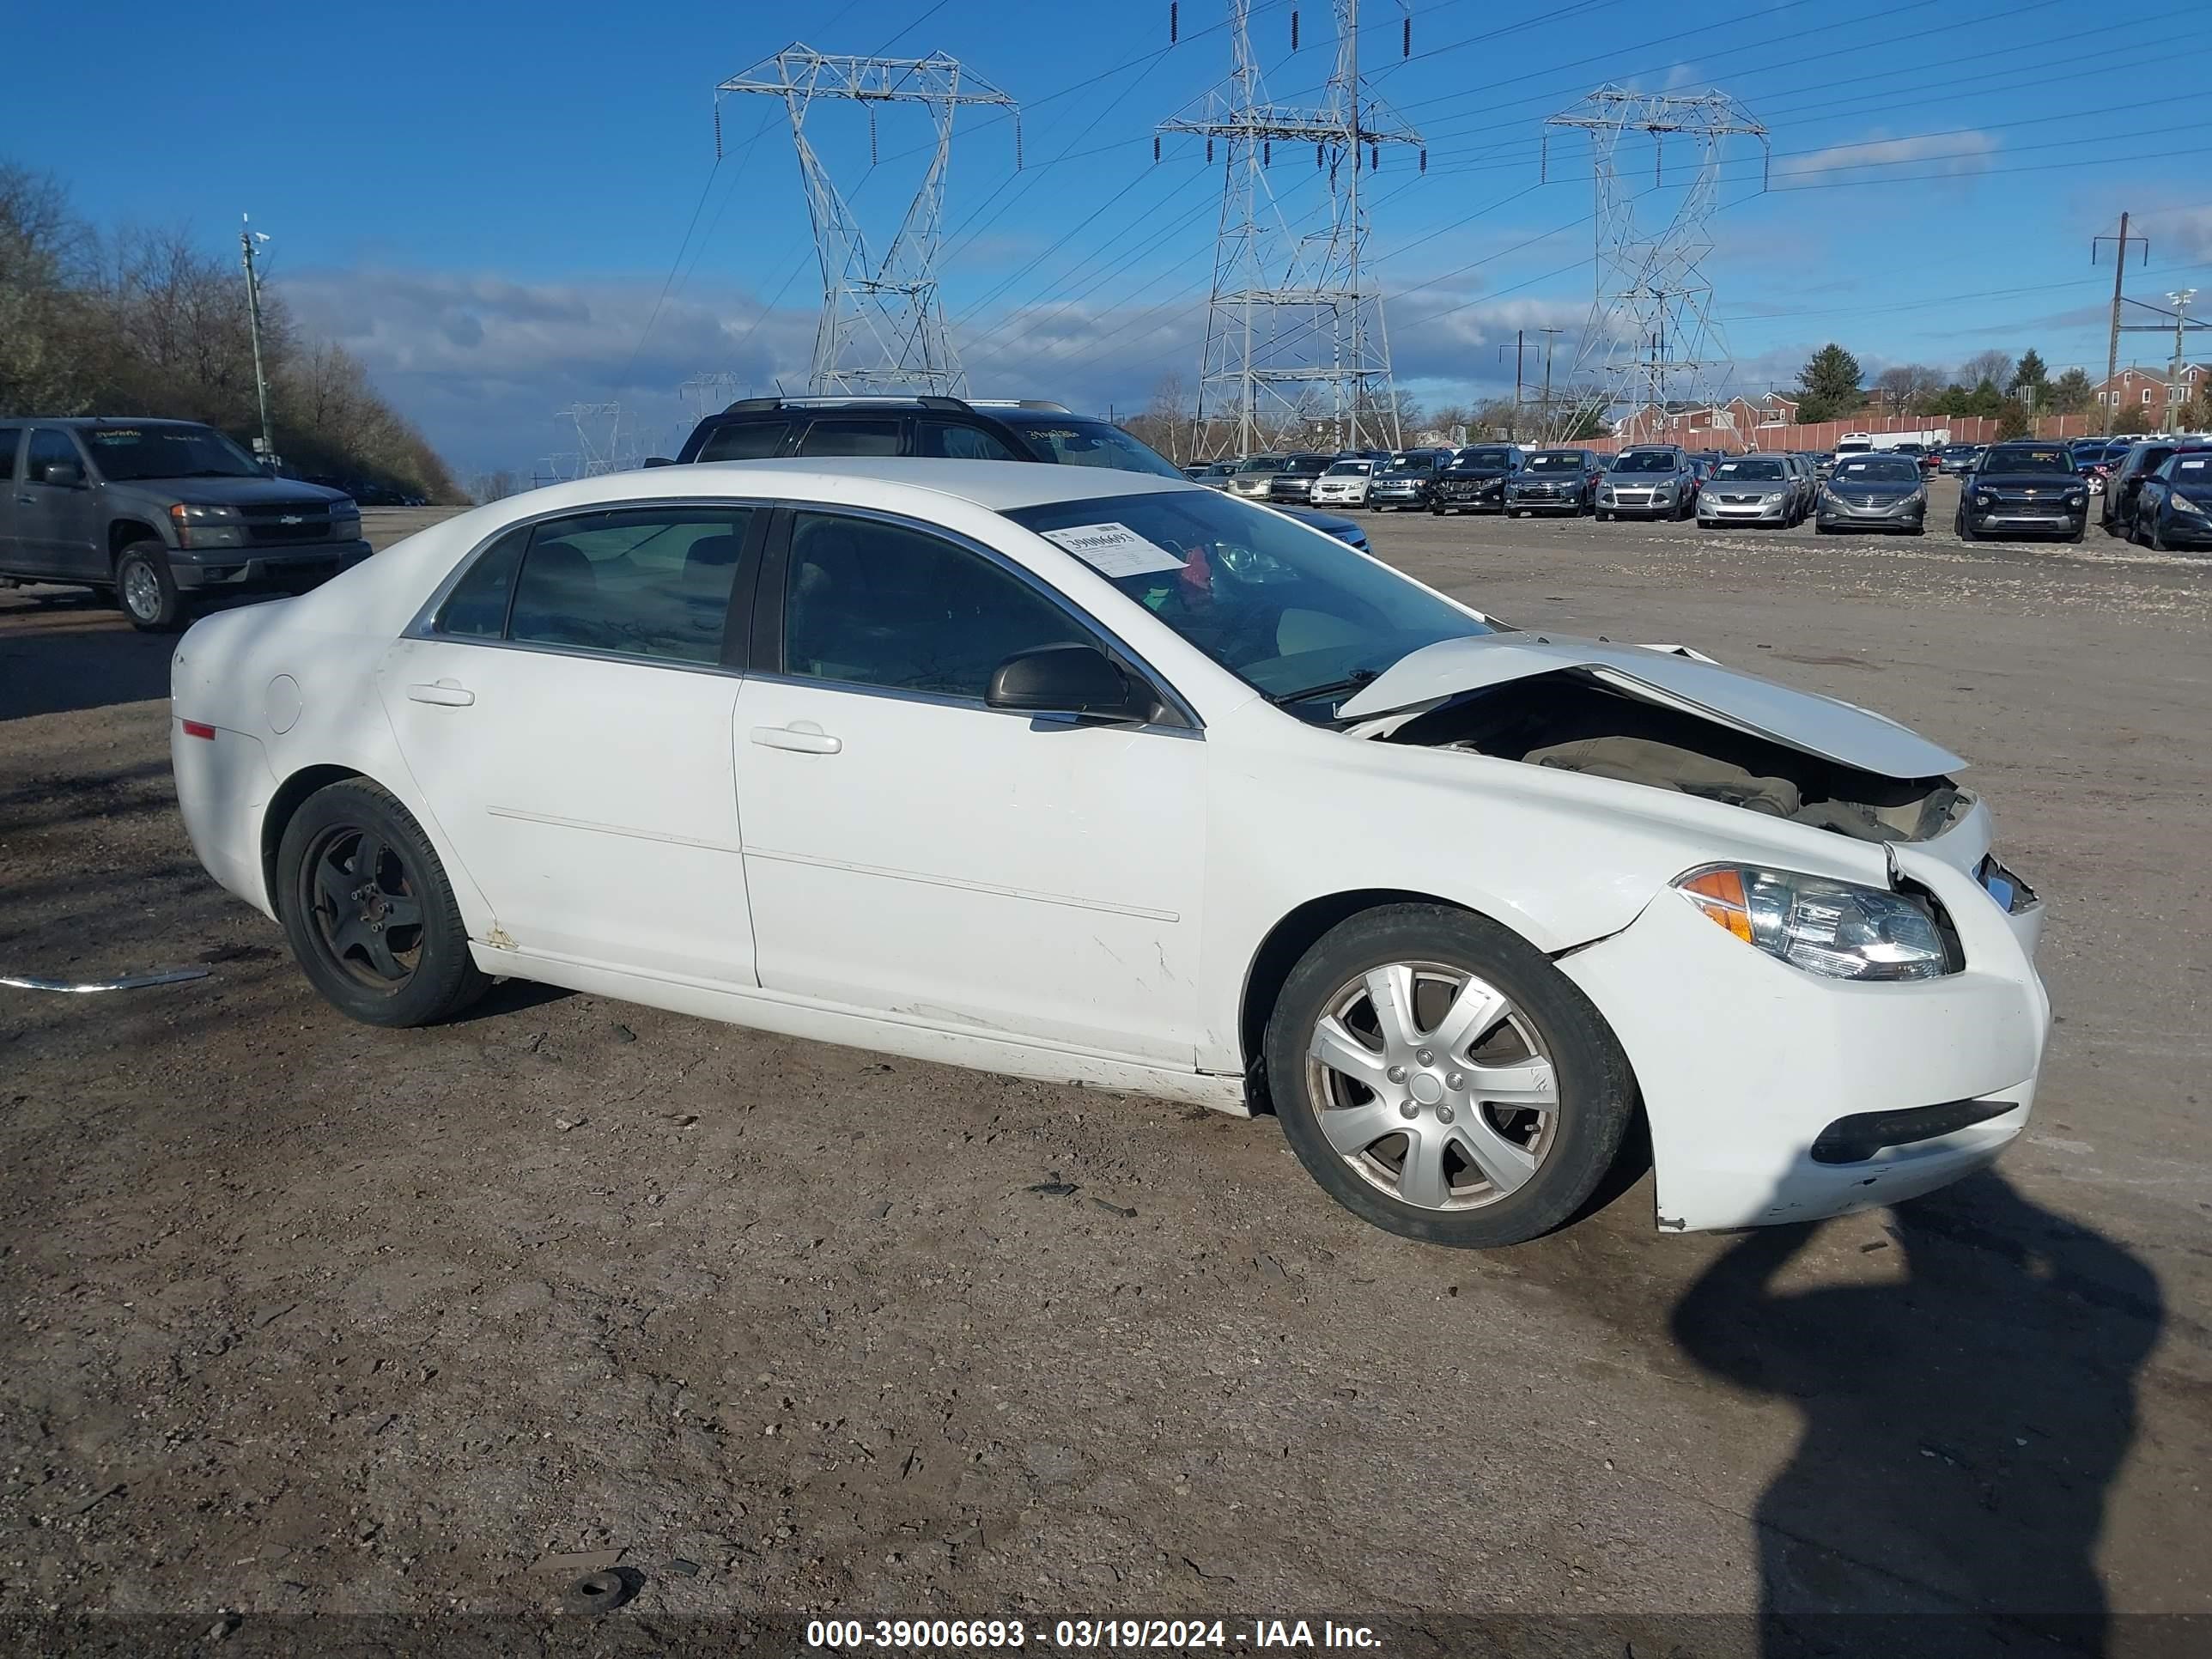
(1432, 1085)
(141, 591)
(362, 900)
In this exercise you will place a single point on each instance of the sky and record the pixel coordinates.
(508, 210)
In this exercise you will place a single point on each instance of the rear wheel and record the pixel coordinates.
(147, 590)
(368, 911)
(1440, 1078)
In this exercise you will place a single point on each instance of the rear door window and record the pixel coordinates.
(10, 437)
(850, 435)
(650, 582)
(747, 440)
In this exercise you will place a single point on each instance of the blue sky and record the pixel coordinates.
(488, 201)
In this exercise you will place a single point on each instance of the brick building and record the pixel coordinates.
(2145, 389)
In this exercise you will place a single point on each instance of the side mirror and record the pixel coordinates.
(658, 460)
(1067, 679)
(64, 475)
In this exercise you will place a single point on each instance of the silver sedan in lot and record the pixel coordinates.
(1873, 492)
(1751, 490)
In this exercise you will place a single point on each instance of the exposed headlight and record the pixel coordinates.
(1833, 928)
(184, 513)
(2076, 497)
(1606, 493)
(1983, 498)
(2183, 504)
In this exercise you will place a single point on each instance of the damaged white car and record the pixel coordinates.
(1107, 779)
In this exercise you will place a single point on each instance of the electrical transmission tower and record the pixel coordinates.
(1651, 338)
(601, 445)
(707, 393)
(1294, 332)
(882, 327)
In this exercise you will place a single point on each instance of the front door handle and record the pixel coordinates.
(26, 501)
(803, 738)
(449, 694)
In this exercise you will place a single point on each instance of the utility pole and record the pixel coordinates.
(1550, 336)
(2180, 300)
(2120, 270)
(246, 237)
(1513, 426)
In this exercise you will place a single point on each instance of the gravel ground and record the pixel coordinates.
(303, 1317)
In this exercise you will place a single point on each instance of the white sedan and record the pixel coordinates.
(1107, 779)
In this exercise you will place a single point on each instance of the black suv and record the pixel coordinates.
(155, 511)
(947, 428)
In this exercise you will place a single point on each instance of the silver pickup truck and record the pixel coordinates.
(154, 513)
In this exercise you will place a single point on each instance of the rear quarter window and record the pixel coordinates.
(747, 440)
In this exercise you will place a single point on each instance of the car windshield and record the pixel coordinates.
(1879, 470)
(1407, 468)
(1351, 469)
(1261, 464)
(2026, 458)
(1645, 460)
(1296, 614)
(1485, 460)
(1560, 460)
(1307, 464)
(1081, 440)
(1764, 467)
(166, 451)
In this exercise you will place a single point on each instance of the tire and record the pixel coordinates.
(146, 589)
(361, 962)
(1436, 512)
(1966, 532)
(2075, 538)
(1819, 529)
(2153, 536)
(1540, 1163)
(1598, 515)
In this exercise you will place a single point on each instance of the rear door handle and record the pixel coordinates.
(805, 739)
(450, 693)
(26, 501)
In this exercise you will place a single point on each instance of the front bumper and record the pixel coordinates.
(1564, 502)
(1395, 495)
(1843, 515)
(2006, 517)
(1339, 495)
(2182, 530)
(1745, 1063)
(236, 570)
(1713, 510)
(1471, 498)
(1290, 496)
(1643, 508)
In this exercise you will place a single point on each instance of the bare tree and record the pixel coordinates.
(1993, 365)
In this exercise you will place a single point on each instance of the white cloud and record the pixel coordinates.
(1955, 152)
(2183, 230)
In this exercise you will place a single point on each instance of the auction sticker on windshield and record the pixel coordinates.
(1114, 550)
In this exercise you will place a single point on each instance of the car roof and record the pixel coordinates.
(993, 485)
(101, 420)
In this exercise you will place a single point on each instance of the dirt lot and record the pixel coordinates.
(305, 1317)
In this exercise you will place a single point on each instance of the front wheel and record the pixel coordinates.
(1440, 1078)
(146, 589)
(1598, 515)
(368, 911)
(2153, 536)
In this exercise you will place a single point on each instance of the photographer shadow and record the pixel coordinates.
(1961, 1427)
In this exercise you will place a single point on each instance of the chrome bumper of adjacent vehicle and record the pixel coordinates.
(217, 569)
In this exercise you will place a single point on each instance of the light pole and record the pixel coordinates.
(246, 237)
